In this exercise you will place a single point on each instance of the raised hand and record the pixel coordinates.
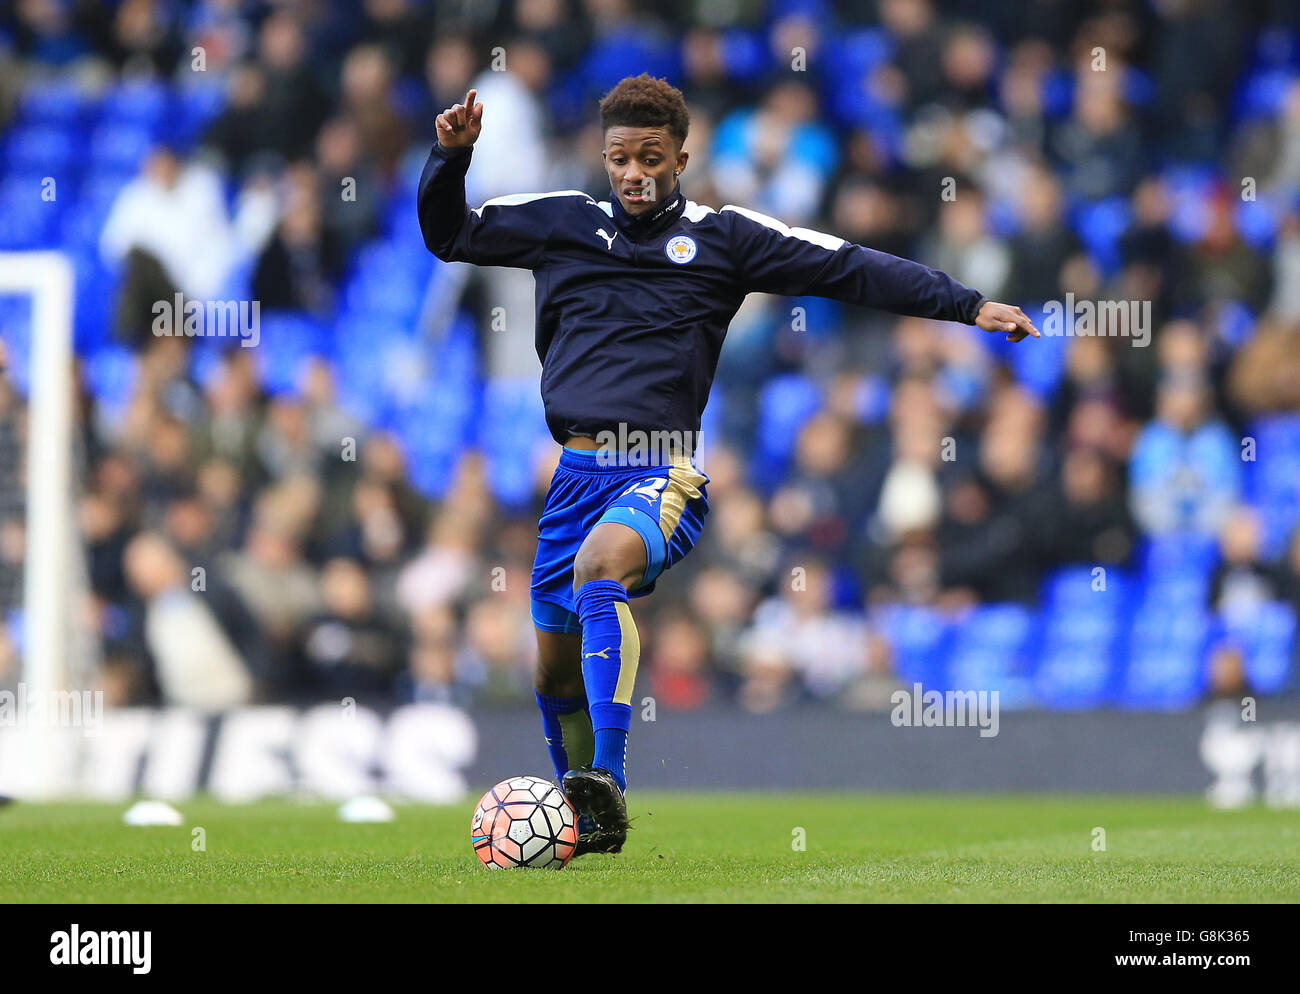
(459, 126)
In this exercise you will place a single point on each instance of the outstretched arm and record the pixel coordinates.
(507, 231)
(799, 261)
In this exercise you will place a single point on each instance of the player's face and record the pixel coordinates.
(641, 163)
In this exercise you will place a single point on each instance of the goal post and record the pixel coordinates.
(48, 595)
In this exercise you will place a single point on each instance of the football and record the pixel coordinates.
(524, 822)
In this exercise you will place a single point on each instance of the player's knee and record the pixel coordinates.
(551, 684)
(612, 552)
(595, 564)
(559, 665)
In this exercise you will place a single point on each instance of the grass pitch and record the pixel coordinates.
(683, 847)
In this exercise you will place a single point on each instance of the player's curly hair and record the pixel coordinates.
(645, 102)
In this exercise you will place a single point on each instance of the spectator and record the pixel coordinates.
(349, 649)
(777, 158)
(197, 663)
(301, 264)
(150, 232)
(296, 105)
(1043, 245)
(679, 665)
(798, 631)
(1089, 524)
(1099, 145)
(1243, 581)
(274, 582)
(1186, 471)
(1264, 377)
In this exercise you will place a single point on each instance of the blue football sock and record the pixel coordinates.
(611, 650)
(567, 728)
(611, 754)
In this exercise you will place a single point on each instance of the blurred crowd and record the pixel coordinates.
(252, 544)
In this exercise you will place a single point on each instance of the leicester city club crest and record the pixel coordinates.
(680, 249)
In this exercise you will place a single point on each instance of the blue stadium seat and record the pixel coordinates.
(388, 301)
(431, 472)
(1166, 658)
(1273, 478)
(433, 441)
(457, 352)
(1099, 226)
(15, 316)
(1005, 627)
(784, 405)
(1057, 93)
(81, 227)
(607, 60)
(1039, 370)
(512, 423)
(711, 421)
(402, 223)
(1268, 643)
(440, 418)
(1071, 588)
(96, 293)
(990, 651)
(1277, 435)
(353, 397)
(1176, 568)
(848, 62)
(287, 340)
(918, 637)
(388, 281)
(15, 330)
(1263, 92)
(1258, 220)
(1073, 677)
(1278, 520)
(196, 106)
(57, 102)
(1190, 189)
(1139, 87)
(1178, 552)
(141, 102)
(1077, 660)
(41, 149)
(407, 369)
(99, 190)
(26, 221)
(119, 148)
(853, 54)
(111, 372)
(1235, 324)
(744, 53)
(406, 183)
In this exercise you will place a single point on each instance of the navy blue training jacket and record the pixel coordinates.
(632, 311)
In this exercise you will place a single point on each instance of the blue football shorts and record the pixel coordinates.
(664, 504)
